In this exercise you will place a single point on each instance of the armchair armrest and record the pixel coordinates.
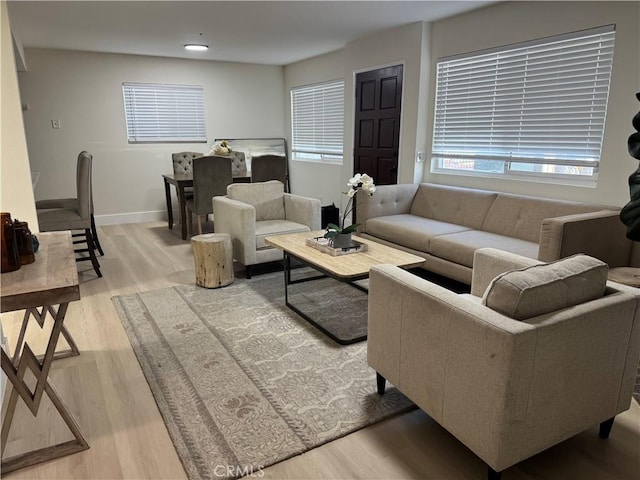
(238, 219)
(302, 210)
(599, 234)
(387, 200)
(488, 263)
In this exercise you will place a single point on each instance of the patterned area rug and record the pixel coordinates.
(242, 382)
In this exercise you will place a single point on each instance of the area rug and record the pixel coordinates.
(242, 382)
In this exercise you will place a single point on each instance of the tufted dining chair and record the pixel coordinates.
(211, 175)
(238, 164)
(183, 164)
(73, 213)
(270, 167)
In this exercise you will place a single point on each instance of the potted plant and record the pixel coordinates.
(340, 236)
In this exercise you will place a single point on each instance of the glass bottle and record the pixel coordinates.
(9, 247)
(24, 239)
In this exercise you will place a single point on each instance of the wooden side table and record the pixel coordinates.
(40, 288)
(213, 258)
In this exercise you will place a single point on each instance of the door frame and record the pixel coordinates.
(353, 110)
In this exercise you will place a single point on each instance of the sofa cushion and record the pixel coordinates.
(460, 247)
(521, 217)
(410, 231)
(545, 288)
(460, 206)
(269, 228)
(266, 197)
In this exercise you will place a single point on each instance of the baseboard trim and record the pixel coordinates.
(135, 217)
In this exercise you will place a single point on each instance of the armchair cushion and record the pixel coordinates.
(269, 228)
(545, 288)
(266, 197)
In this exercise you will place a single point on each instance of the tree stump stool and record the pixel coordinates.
(213, 258)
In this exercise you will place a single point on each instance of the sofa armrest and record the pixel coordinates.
(302, 210)
(387, 200)
(599, 234)
(238, 219)
(488, 263)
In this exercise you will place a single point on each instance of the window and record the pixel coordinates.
(164, 113)
(529, 109)
(317, 122)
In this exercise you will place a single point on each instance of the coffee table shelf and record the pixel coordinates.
(344, 268)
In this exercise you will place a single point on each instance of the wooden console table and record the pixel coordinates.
(37, 288)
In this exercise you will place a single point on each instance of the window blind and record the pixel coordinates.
(537, 108)
(164, 113)
(317, 121)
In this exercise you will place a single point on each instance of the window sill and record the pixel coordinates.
(557, 180)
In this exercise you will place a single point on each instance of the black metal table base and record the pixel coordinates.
(324, 274)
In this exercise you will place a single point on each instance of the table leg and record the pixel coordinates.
(167, 194)
(40, 316)
(323, 274)
(40, 370)
(183, 211)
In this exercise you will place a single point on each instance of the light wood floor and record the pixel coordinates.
(106, 391)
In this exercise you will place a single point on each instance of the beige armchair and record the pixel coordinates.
(252, 211)
(506, 388)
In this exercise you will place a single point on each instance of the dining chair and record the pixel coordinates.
(238, 164)
(270, 167)
(183, 164)
(211, 175)
(73, 213)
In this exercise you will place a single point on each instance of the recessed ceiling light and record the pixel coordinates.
(196, 47)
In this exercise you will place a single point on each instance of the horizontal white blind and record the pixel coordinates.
(540, 103)
(317, 121)
(164, 113)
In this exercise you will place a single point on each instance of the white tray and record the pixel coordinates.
(322, 244)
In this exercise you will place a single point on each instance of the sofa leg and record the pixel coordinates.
(247, 272)
(381, 381)
(492, 474)
(605, 428)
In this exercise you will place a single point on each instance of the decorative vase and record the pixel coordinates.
(10, 255)
(24, 239)
(341, 240)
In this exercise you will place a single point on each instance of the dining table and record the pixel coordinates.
(182, 181)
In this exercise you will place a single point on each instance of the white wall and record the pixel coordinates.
(17, 194)
(403, 45)
(513, 22)
(313, 179)
(84, 91)
(407, 45)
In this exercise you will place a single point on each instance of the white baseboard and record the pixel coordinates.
(136, 217)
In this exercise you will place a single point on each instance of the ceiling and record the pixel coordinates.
(265, 32)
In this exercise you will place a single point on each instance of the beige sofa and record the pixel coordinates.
(507, 389)
(446, 225)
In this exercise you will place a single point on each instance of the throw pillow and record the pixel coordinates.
(545, 288)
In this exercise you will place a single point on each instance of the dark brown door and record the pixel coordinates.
(377, 124)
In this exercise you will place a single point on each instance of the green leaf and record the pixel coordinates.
(351, 228)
